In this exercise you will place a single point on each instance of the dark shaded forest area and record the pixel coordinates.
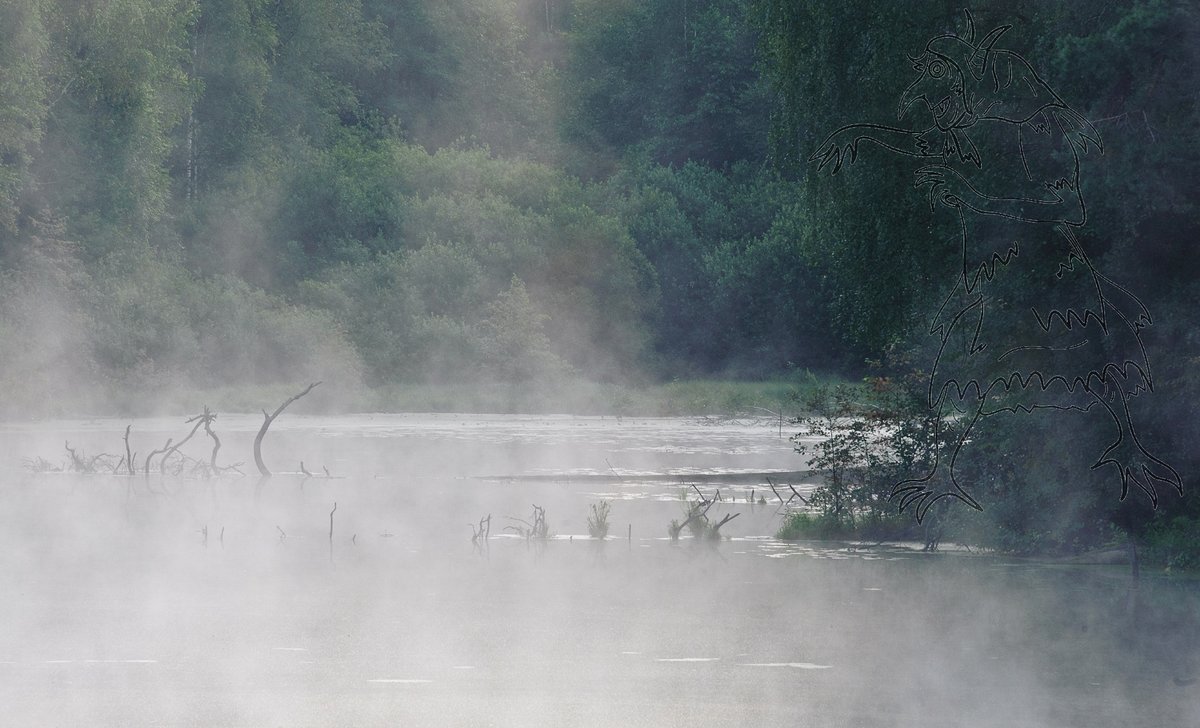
(195, 193)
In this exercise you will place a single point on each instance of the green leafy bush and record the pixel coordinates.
(1175, 543)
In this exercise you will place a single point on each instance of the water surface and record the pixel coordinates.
(183, 600)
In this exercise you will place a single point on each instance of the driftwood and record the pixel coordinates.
(267, 420)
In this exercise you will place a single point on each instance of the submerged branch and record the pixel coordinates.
(267, 420)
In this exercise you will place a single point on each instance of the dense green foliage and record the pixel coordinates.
(1130, 67)
(524, 193)
(424, 192)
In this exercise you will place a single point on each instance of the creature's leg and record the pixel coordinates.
(941, 481)
(1135, 464)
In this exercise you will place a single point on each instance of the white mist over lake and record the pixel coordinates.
(177, 600)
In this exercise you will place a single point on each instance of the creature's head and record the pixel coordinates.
(949, 68)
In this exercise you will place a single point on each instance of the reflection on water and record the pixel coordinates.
(167, 601)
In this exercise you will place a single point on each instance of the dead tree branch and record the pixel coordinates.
(484, 530)
(199, 420)
(128, 454)
(76, 461)
(83, 464)
(776, 492)
(267, 420)
(536, 529)
(208, 418)
(156, 452)
(715, 530)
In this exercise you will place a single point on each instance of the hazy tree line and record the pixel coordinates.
(215, 191)
(211, 191)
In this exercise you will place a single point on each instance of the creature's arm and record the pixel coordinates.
(1037, 201)
(1048, 145)
(842, 145)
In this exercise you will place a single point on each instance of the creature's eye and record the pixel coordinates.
(937, 69)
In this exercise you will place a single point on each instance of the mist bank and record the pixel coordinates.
(775, 403)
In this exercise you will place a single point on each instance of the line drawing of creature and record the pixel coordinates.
(1031, 323)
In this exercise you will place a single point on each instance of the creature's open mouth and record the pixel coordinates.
(942, 107)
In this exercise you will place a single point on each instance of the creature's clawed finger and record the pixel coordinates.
(1139, 467)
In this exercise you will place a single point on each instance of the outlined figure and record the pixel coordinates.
(1031, 323)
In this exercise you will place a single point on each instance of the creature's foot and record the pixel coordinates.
(1138, 467)
(924, 492)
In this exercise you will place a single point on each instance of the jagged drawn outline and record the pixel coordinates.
(978, 86)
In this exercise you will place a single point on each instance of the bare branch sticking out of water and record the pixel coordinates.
(715, 531)
(156, 452)
(797, 495)
(536, 529)
(128, 453)
(41, 465)
(208, 418)
(267, 420)
(83, 464)
(697, 518)
(199, 420)
(76, 461)
(614, 470)
(483, 531)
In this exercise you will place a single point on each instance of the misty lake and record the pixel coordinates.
(176, 600)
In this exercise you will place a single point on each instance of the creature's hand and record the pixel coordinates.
(945, 186)
(842, 145)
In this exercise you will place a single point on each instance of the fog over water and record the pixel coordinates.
(177, 600)
(954, 241)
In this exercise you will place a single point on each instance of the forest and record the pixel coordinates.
(196, 194)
